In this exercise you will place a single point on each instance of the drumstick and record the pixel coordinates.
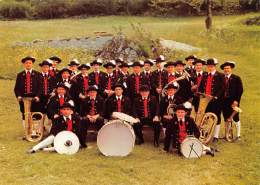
(191, 146)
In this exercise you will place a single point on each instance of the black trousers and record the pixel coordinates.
(35, 107)
(169, 137)
(214, 106)
(97, 124)
(227, 109)
(195, 103)
(138, 127)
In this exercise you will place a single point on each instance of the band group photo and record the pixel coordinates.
(181, 102)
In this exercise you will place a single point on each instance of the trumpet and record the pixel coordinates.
(229, 126)
(33, 122)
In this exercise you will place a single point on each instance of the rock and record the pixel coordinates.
(173, 45)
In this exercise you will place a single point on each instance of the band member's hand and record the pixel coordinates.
(234, 104)
(110, 93)
(159, 90)
(138, 120)
(36, 98)
(81, 96)
(55, 116)
(194, 88)
(19, 98)
(167, 116)
(156, 119)
(52, 94)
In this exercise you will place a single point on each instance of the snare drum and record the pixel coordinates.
(116, 138)
(191, 147)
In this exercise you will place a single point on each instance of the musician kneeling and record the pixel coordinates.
(66, 121)
(181, 127)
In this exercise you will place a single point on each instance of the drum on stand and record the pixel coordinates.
(191, 147)
(116, 138)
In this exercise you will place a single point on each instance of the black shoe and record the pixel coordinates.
(31, 151)
(139, 141)
(83, 146)
(211, 152)
(215, 140)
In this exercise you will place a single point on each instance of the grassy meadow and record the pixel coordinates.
(236, 163)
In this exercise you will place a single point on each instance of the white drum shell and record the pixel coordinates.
(187, 151)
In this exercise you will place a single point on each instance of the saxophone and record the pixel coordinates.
(229, 126)
(205, 121)
(33, 122)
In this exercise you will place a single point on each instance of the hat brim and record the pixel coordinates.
(227, 64)
(28, 58)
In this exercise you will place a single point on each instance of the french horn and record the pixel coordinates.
(230, 129)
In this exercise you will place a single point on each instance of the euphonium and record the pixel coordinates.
(229, 126)
(205, 121)
(33, 122)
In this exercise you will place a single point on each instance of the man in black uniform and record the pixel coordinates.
(64, 76)
(73, 66)
(80, 85)
(27, 85)
(118, 102)
(110, 79)
(92, 109)
(190, 66)
(232, 93)
(66, 121)
(61, 96)
(212, 85)
(117, 70)
(47, 84)
(53, 69)
(136, 80)
(123, 77)
(97, 77)
(148, 63)
(146, 110)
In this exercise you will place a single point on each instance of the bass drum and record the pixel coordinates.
(116, 138)
(191, 147)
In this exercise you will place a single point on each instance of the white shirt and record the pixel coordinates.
(61, 96)
(28, 70)
(171, 97)
(199, 73)
(171, 74)
(43, 74)
(213, 72)
(227, 76)
(65, 118)
(183, 120)
(119, 97)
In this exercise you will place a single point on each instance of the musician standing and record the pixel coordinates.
(47, 85)
(65, 77)
(118, 102)
(196, 80)
(148, 63)
(232, 93)
(27, 85)
(158, 78)
(97, 77)
(212, 85)
(117, 70)
(123, 77)
(73, 66)
(190, 64)
(92, 109)
(146, 110)
(110, 78)
(80, 85)
(53, 69)
(136, 80)
(170, 67)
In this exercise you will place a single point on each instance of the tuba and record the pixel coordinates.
(205, 121)
(33, 122)
(229, 126)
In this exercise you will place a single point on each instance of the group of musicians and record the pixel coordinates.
(74, 98)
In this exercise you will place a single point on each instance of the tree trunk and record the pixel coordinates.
(208, 20)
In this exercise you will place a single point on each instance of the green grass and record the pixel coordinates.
(237, 163)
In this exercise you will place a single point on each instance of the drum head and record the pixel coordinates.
(66, 142)
(116, 139)
(124, 117)
(191, 148)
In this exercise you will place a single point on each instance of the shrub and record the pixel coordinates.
(15, 9)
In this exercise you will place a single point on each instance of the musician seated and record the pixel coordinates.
(56, 101)
(92, 109)
(66, 121)
(181, 127)
(146, 110)
(118, 102)
(170, 99)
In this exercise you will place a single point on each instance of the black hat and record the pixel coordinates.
(199, 60)
(28, 58)
(92, 88)
(45, 62)
(161, 58)
(61, 84)
(110, 63)
(67, 105)
(212, 61)
(144, 88)
(74, 62)
(55, 58)
(87, 66)
(119, 61)
(179, 62)
(180, 107)
(137, 63)
(174, 85)
(193, 57)
(232, 64)
(118, 85)
(149, 61)
(96, 61)
(124, 64)
(169, 64)
(65, 69)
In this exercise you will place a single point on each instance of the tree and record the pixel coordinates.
(208, 20)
